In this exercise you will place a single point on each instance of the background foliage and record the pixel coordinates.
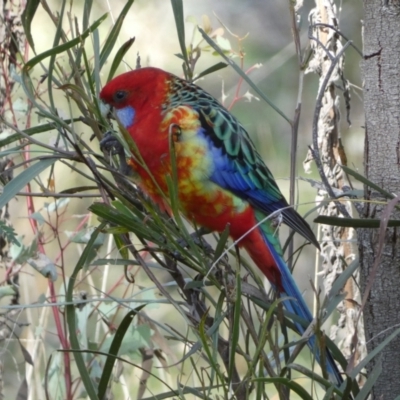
(148, 315)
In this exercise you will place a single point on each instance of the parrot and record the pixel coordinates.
(221, 178)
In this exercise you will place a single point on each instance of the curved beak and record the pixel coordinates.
(106, 110)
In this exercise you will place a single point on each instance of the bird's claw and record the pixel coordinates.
(112, 145)
(198, 240)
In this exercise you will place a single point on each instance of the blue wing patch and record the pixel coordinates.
(238, 166)
(240, 169)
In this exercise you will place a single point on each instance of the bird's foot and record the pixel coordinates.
(198, 240)
(112, 145)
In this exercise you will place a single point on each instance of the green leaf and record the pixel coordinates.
(94, 78)
(354, 222)
(235, 327)
(33, 131)
(205, 337)
(114, 348)
(367, 182)
(71, 318)
(130, 222)
(370, 382)
(87, 8)
(27, 17)
(292, 385)
(7, 291)
(63, 47)
(20, 253)
(210, 70)
(14, 186)
(316, 377)
(122, 248)
(358, 368)
(221, 244)
(119, 56)
(113, 36)
(196, 391)
(59, 35)
(8, 233)
(339, 283)
(177, 8)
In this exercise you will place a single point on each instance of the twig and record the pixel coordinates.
(315, 150)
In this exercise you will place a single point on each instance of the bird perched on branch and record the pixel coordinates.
(221, 178)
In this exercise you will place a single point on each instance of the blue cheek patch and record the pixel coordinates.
(126, 116)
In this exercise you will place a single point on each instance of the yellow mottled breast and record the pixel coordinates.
(194, 164)
(198, 196)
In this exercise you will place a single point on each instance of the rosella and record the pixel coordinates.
(221, 178)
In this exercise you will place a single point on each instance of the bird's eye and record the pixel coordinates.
(120, 95)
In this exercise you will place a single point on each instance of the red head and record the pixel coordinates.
(140, 88)
(136, 99)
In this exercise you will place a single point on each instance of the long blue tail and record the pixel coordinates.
(296, 304)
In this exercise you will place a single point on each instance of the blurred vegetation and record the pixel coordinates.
(109, 306)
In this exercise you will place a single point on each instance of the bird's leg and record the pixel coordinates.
(198, 241)
(111, 144)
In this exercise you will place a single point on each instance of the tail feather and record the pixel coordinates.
(292, 218)
(296, 305)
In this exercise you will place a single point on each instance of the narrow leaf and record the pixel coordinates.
(114, 349)
(14, 186)
(204, 337)
(113, 36)
(63, 47)
(367, 182)
(292, 385)
(235, 328)
(27, 17)
(343, 278)
(221, 244)
(177, 8)
(373, 354)
(119, 56)
(33, 131)
(210, 70)
(370, 382)
(8, 233)
(71, 318)
(354, 222)
(87, 8)
(97, 63)
(134, 225)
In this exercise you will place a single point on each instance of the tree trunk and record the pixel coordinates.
(381, 74)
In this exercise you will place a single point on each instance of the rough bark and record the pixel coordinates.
(337, 251)
(381, 68)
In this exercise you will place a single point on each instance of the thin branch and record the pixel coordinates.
(339, 33)
(315, 150)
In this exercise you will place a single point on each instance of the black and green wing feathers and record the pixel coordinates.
(239, 168)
